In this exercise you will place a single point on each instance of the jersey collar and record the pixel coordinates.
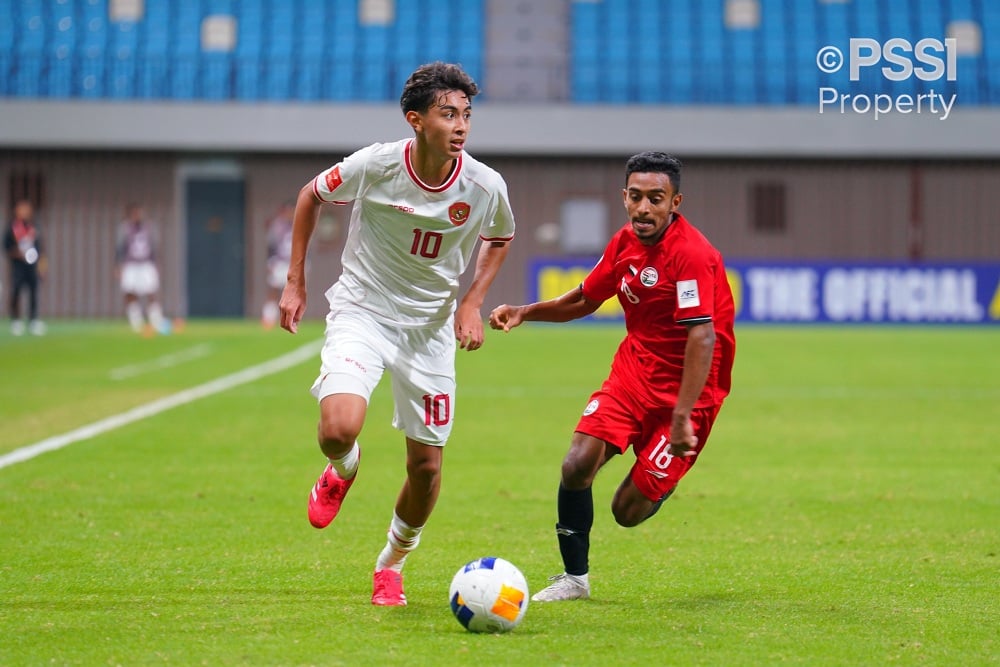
(456, 169)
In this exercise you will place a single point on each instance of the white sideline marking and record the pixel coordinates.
(162, 404)
(159, 363)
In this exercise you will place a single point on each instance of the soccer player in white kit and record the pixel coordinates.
(279, 253)
(420, 206)
(135, 253)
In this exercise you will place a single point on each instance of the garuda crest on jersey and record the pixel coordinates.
(458, 213)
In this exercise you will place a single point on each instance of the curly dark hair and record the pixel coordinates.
(432, 79)
(657, 163)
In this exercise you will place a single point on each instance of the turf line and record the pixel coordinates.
(160, 363)
(224, 383)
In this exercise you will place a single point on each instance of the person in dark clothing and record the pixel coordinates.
(23, 246)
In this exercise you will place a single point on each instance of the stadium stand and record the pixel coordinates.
(636, 52)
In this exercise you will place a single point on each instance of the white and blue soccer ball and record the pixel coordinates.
(489, 595)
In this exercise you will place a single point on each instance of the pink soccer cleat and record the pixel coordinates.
(326, 497)
(388, 589)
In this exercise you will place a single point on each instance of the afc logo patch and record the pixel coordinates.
(458, 213)
(591, 407)
(333, 179)
(687, 294)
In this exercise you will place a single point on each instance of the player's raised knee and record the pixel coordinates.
(629, 515)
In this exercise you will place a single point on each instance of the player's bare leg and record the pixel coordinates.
(414, 505)
(340, 422)
(270, 313)
(154, 313)
(630, 507)
(133, 312)
(586, 456)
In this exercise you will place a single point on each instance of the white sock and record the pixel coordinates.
(133, 312)
(269, 313)
(581, 578)
(347, 465)
(155, 315)
(402, 539)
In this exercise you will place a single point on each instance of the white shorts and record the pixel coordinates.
(277, 273)
(421, 364)
(140, 278)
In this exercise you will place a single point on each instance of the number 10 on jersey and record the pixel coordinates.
(426, 244)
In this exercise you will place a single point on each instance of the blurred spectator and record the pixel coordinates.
(23, 245)
(279, 252)
(137, 272)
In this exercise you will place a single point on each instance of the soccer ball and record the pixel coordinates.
(489, 595)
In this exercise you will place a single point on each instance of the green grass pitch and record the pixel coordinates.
(845, 512)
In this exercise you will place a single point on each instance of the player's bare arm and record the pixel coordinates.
(570, 306)
(468, 318)
(697, 364)
(293, 297)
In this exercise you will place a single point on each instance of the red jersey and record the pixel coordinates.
(664, 288)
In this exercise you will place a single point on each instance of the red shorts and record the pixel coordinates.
(621, 421)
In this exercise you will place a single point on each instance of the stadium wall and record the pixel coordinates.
(835, 209)
(509, 129)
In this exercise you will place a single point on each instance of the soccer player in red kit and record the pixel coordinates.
(669, 376)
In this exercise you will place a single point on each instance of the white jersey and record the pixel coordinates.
(409, 242)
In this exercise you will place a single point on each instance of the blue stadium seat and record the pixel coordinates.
(743, 66)
(7, 28)
(832, 21)
(961, 10)
(229, 7)
(28, 75)
(6, 72)
(308, 85)
(183, 75)
(338, 83)
(679, 52)
(155, 29)
(153, 77)
(312, 38)
(277, 85)
(186, 20)
(122, 75)
(775, 67)
(406, 33)
(584, 83)
(373, 82)
(584, 52)
(248, 88)
(806, 42)
(991, 51)
(247, 60)
(99, 8)
(94, 32)
(465, 40)
(866, 19)
(709, 53)
(679, 56)
(616, 54)
(60, 50)
(30, 26)
(647, 55)
(215, 76)
(91, 75)
(281, 25)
